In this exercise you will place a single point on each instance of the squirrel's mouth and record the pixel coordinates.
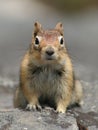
(50, 58)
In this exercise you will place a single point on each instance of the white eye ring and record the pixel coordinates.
(61, 40)
(37, 40)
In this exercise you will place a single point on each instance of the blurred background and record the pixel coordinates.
(80, 21)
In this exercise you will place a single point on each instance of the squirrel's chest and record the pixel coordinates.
(45, 77)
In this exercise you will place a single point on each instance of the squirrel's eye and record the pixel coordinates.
(37, 41)
(61, 41)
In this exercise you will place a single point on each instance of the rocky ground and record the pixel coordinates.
(84, 118)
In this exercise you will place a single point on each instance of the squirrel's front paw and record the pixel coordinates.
(60, 110)
(33, 107)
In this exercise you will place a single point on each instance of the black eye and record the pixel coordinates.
(61, 41)
(37, 41)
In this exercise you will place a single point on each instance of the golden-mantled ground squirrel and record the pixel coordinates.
(46, 73)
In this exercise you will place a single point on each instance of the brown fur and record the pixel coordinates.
(46, 77)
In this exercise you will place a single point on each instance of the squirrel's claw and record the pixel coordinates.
(39, 108)
(30, 107)
(33, 107)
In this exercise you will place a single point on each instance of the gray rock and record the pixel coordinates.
(88, 121)
(45, 120)
(92, 128)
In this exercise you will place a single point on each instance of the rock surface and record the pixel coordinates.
(45, 120)
(85, 118)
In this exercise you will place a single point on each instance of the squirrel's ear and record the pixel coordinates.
(37, 28)
(59, 27)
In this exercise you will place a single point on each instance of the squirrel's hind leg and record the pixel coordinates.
(19, 99)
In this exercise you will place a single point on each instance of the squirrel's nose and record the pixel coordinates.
(50, 52)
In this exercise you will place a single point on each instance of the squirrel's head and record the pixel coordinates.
(48, 45)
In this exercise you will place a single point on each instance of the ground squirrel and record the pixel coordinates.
(46, 73)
